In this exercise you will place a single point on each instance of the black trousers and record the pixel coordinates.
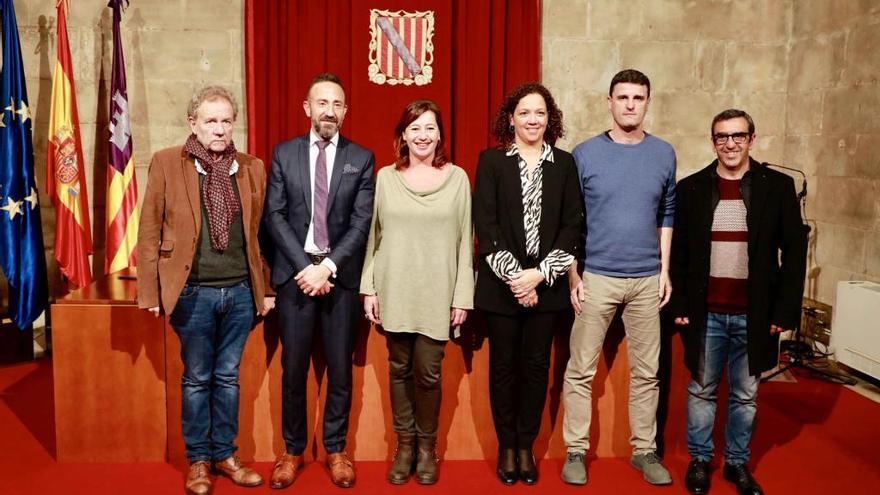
(519, 360)
(414, 365)
(298, 315)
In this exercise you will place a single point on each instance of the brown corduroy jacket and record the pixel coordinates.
(170, 223)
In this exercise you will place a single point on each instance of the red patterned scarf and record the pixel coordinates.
(217, 193)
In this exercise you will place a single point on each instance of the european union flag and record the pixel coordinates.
(22, 256)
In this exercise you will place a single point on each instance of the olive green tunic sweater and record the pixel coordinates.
(419, 259)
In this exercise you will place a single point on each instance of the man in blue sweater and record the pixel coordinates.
(627, 177)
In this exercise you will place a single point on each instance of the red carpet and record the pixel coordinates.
(813, 438)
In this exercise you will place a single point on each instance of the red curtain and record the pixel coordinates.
(482, 49)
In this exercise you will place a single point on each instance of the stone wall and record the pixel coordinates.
(806, 70)
(833, 135)
(171, 48)
(702, 57)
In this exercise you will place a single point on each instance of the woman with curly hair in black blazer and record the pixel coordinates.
(528, 215)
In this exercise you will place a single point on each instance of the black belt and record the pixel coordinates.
(316, 258)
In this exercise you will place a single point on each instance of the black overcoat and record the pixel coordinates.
(777, 245)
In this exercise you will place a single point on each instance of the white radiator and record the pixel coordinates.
(855, 332)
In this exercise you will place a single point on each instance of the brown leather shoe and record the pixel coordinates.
(233, 469)
(341, 469)
(286, 469)
(197, 480)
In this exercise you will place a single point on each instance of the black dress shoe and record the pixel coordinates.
(507, 472)
(742, 478)
(528, 472)
(697, 478)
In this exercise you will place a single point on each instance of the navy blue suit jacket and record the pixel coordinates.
(288, 212)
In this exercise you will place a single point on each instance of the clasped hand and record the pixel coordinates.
(313, 280)
(523, 285)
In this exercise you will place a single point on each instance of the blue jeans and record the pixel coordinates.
(213, 324)
(725, 344)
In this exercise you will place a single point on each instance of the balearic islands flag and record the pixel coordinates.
(66, 182)
(22, 256)
(122, 193)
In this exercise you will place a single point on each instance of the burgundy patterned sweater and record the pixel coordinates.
(729, 258)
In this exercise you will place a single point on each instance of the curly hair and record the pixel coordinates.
(412, 112)
(504, 132)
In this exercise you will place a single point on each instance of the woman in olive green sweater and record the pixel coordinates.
(418, 279)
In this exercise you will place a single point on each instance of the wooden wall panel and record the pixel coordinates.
(466, 428)
(109, 367)
(117, 389)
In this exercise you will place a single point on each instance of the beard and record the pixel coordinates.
(326, 128)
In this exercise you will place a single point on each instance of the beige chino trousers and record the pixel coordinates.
(641, 318)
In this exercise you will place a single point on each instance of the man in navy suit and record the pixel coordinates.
(319, 202)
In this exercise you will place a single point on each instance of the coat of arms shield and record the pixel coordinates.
(401, 47)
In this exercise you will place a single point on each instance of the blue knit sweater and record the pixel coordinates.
(629, 192)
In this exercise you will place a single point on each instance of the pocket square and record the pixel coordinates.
(349, 169)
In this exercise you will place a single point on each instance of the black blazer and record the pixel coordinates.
(288, 210)
(498, 220)
(777, 247)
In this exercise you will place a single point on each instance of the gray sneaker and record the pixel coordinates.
(653, 472)
(574, 472)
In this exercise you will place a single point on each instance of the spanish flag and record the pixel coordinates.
(122, 193)
(66, 183)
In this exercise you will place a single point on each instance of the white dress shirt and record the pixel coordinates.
(232, 168)
(330, 153)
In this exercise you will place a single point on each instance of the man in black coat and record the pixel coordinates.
(737, 270)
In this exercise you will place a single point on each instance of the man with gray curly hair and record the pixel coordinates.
(200, 264)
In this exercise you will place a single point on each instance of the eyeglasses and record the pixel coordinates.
(738, 138)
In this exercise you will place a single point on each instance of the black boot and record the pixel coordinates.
(742, 478)
(528, 471)
(404, 458)
(697, 478)
(507, 472)
(426, 466)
